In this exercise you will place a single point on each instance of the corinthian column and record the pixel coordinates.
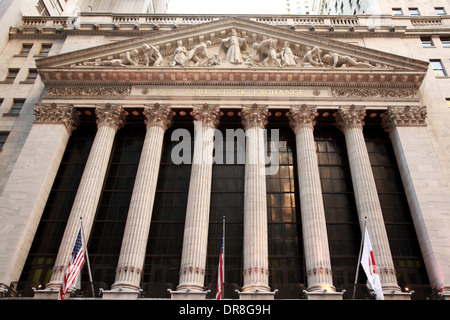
(256, 252)
(109, 120)
(315, 239)
(351, 121)
(195, 242)
(25, 195)
(134, 243)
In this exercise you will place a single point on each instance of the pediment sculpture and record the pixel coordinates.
(231, 52)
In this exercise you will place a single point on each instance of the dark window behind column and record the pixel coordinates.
(286, 260)
(227, 200)
(42, 255)
(109, 224)
(165, 243)
(408, 261)
(344, 235)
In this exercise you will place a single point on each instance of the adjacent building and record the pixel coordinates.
(149, 131)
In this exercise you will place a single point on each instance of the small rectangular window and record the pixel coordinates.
(32, 75)
(438, 68)
(45, 49)
(445, 41)
(414, 11)
(3, 137)
(17, 106)
(440, 11)
(397, 11)
(12, 74)
(448, 102)
(26, 48)
(426, 41)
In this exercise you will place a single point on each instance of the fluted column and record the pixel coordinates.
(426, 189)
(195, 242)
(26, 192)
(134, 243)
(256, 253)
(315, 239)
(109, 120)
(351, 121)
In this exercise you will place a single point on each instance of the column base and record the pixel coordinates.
(397, 295)
(324, 295)
(49, 294)
(257, 295)
(188, 295)
(120, 294)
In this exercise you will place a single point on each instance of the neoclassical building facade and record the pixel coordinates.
(298, 140)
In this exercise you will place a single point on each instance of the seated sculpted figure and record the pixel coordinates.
(151, 54)
(313, 57)
(335, 60)
(266, 50)
(179, 55)
(198, 51)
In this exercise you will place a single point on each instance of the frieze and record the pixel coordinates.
(89, 91)
(373, 93)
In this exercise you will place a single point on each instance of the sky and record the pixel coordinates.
(226, 6)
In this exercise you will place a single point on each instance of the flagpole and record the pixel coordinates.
(359, 257)
(223, 233)
(87, 257)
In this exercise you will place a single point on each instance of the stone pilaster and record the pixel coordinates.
(256, 253)
(426, 189)
(315, 239)
(351, 121)
(26, 192)
(195, 242)
(134, 243)
(109, 120)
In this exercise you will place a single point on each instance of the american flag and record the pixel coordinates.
(220, 272)
(72, 271)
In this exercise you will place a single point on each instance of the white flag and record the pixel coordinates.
(370, 267)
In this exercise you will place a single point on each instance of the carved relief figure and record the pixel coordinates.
(232, 45)
(129, 58)
(313, 58)
(335, 60)
(287, 57)
(151, 54)
(179, 56)
(197, 52)
(266, 50)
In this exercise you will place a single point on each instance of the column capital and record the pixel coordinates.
(350, 117)
(404, 116)
(208, 115)
(254, 116)
(111, 115)
(53, 113)
(158, 115)
(302, 116)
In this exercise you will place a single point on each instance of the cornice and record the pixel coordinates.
(189, 76)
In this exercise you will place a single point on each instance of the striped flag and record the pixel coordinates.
(370, 267)
(72, 271)
(220, 269)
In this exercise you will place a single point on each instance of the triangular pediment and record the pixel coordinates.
(233, 46)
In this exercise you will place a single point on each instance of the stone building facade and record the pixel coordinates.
(121, 121)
